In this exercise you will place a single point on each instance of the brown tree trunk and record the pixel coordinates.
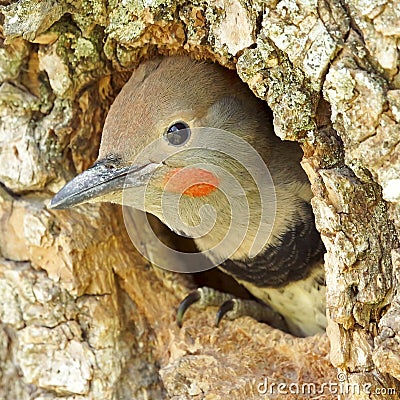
(82, 315)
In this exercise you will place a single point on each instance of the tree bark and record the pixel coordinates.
(82, 314)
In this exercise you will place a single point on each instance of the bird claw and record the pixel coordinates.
(230, 307)
(204, 297)
(226, 307)
(190, 299)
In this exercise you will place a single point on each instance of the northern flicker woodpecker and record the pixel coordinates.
(161, 108)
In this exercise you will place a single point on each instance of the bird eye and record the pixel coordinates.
(177, 134)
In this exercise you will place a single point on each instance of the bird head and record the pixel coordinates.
(162, 150)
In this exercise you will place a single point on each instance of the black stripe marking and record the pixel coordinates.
(290, 261)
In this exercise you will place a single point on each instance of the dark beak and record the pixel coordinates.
(99, 181)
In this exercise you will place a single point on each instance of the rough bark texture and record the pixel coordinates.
(82, 315)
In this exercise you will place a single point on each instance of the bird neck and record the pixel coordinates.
(291, 259)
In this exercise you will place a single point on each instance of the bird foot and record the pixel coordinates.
(230, 307)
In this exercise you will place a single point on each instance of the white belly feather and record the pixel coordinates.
(301, 303)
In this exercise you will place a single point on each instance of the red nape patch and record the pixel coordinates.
(194, 182)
